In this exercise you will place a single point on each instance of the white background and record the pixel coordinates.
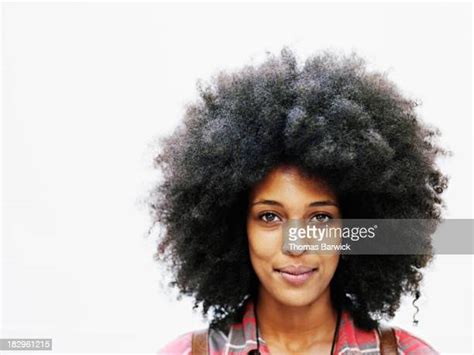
(88, 87)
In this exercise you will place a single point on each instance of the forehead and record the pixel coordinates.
(291, 182)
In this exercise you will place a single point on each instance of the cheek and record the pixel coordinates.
(330, 263)
(264, 245)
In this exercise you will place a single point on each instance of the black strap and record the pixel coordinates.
(336, 332)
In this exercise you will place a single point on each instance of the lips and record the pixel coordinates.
(296, 275)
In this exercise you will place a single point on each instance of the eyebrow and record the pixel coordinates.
(312, 204)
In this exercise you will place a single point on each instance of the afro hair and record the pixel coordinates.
(331, 117)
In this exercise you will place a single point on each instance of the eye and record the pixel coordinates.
(269, 217)
(321, 218)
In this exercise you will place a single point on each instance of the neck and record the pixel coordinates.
(296, 328)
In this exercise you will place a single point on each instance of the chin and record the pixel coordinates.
(296, 298)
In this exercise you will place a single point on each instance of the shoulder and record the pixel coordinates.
(180, 345)
(408, 343)
(353, 339)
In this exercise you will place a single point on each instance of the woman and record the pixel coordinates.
(279, 141)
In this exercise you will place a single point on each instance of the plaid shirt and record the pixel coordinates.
(241, 339)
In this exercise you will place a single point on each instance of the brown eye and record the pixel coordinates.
(321, 218)
(269, 217)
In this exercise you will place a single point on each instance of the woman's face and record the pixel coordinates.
(291, 279)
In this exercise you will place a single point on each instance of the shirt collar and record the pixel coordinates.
(249, 329)
(245, 332)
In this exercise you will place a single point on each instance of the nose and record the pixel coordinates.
(291, 243)
(293, 252)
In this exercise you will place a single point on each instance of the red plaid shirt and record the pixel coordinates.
(351, 340)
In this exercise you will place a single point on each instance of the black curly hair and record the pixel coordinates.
(332, 118)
